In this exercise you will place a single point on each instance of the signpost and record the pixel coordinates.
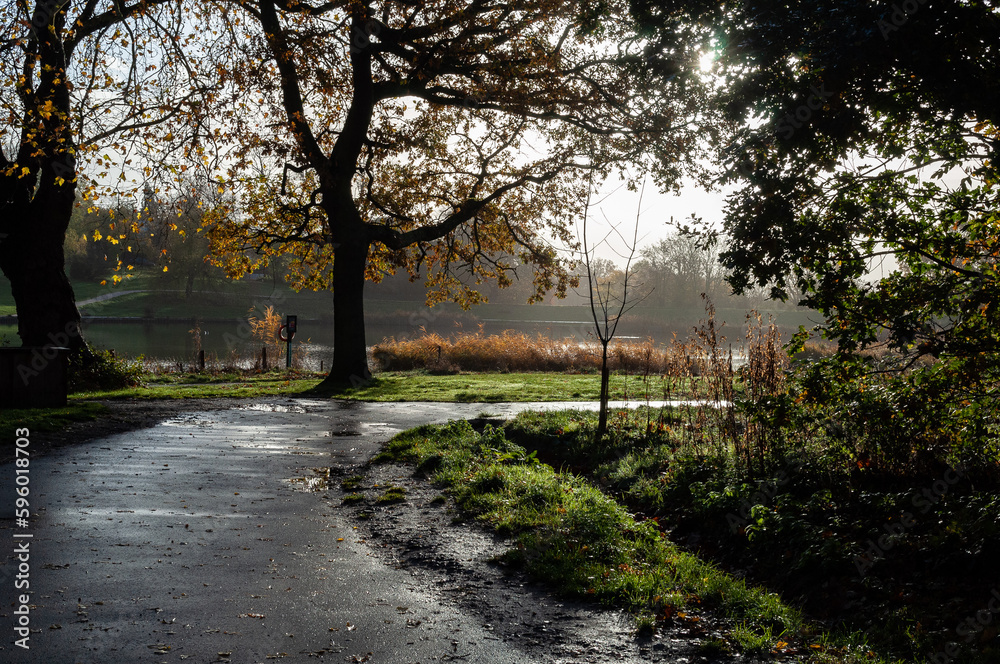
(286, 333)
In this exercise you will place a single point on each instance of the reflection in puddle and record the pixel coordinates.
(318, 480)
(272, 408)
(186, 420)
(110, 514)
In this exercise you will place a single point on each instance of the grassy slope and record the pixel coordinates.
(800, 527)
(585, 542)
(389, 386)
(569, 534)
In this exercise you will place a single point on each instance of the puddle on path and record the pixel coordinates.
(318, 479)
(272, 408)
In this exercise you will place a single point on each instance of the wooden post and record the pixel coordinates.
(263, 358)
(201, 360)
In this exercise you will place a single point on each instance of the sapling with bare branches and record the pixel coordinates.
(608, 302)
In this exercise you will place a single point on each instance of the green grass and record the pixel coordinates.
(246, 387)
(50, 419)
(393, 494)
(798, 526)
(494, 387)
(352, 483)
(570, 534)
(390, 386)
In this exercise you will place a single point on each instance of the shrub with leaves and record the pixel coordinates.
(103, 371)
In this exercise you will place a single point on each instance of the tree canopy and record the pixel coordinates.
(441, 138)
(80, 81)
(864, 157)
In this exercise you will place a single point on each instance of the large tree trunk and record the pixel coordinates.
(37, 194)
(350, 353)
(32, 258)
(46, 305)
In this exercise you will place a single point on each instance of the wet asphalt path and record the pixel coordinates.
(190, 541)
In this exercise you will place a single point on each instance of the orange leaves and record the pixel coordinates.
(46, 110)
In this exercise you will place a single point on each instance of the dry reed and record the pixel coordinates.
(519, 352)
(688, 374)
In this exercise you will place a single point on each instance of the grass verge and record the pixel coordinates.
(195, 386)
(897, 564)
(50, 419)
(389, 386)
(570, 534)
(497, 387)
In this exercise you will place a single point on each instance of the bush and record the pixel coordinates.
(103, 370)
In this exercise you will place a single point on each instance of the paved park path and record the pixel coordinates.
(193, 541)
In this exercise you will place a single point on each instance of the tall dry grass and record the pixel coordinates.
(689, 374)
(719, 410)
(519, 352)
(265, 330)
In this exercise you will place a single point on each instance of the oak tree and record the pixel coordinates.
(80, 81)
(446, 139)
(865, 161)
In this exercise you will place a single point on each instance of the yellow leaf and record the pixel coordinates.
(164, 268)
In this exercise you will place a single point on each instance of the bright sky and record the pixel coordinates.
(621, 205)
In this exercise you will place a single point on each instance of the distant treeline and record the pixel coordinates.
(666, 282)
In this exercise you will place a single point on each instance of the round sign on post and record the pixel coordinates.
(286, 333)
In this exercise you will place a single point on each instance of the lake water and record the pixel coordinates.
(232, 342)
(172, 342)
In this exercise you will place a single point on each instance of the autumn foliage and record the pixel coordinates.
(448, 141)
